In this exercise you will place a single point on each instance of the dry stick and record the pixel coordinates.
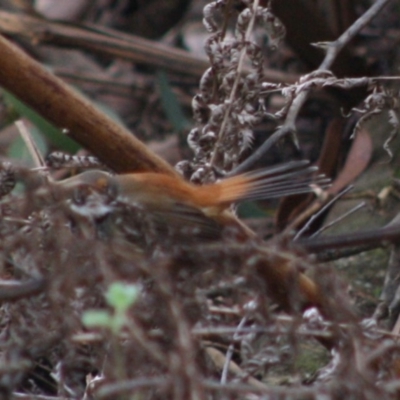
(185, 344)
(272, 391)
(313, 212)
(24, 396)
(132, 385)
(219, 360)
(34, 152)
(68, 110)
(119, 86)
(115, 44)
(185, 364)
(333, 50)
(11, 290)
(339, 219)
(231, 348)
(335, 47)
(139, 334)
(373, 237)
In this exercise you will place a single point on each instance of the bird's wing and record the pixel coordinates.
(185, 222)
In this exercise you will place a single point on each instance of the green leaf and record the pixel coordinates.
(170, 104)
(97, 319)
(121, 296)
(18, 150)
(54, 134)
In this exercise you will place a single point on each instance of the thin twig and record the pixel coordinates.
(333, 50)
(128, 386)
(109, 42)
(219, 360)
(320, 211)
(373, 237)
(138, 334)
(15, 290)
(23, 396)
(275, 391)
(339, 219)
(37, 158)
(231, 348)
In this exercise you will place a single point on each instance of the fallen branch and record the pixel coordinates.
(67, 109)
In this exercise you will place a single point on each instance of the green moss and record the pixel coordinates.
(310, 358)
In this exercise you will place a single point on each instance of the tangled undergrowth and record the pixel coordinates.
(103, 297)
(202, 308)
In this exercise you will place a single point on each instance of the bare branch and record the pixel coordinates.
(113, 43)
(56, 101)
(333, 50)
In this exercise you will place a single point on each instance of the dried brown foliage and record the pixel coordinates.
(220, 313)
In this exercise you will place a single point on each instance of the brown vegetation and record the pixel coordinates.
(145, 286)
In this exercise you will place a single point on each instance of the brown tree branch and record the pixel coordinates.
(115, 44)
(67, 109)
(372, 238)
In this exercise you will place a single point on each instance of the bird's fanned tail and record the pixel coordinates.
(287, 179)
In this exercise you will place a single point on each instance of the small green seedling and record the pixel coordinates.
(120, 297)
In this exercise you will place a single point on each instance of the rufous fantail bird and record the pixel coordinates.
(192, 212)
(161, 192)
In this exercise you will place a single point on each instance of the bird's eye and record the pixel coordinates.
(101, 184)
